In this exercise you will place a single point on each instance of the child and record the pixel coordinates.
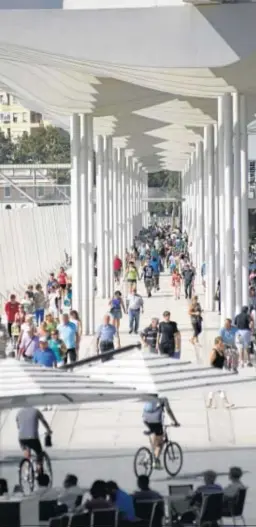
(15, 332)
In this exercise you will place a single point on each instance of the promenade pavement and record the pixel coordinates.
(99, 440)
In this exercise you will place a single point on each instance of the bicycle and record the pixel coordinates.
(28, 471)
(171, 452)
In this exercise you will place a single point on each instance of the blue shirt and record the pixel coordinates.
(124, 503)
(155, 265)
(228, 335)
(44, 358)
(67, 333)
(106, 333)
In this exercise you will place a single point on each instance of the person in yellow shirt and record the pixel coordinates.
(131, 276)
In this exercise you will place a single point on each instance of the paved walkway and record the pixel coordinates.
(99, 440)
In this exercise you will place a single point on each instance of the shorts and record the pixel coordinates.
(117, 273)
(116, 314)
(168, 348)
(155, 428)
(243, 338)
(197, 328)
(63, 286)
(32, 444)
(132, 281)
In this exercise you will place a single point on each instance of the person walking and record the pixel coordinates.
(147, 274)
(68, 333)
(131, 276)
(105, 337)
(195, 312)
(188, 276)
(168, 338)
(135, 306)
(149, 335)
(244, 324)
(40, 302)
(116, 307)
(117, 268)
(11, 308)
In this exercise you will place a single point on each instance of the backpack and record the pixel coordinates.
(152, 411)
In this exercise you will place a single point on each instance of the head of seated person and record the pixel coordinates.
(209, 487)
(3, 487)
(98, 493)
(235, 475)
(145, 492)
(70, 481)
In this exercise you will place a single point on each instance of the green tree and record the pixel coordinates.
(6, 150)
(47, 145)
(169, 182)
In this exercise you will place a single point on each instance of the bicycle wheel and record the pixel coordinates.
(26, 476)
(173, 458)
(47, 467)
(143, 462)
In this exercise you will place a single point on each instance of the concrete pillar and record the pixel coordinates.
(106, 216)
(244, 200)
(237, 203)
(216, 206)
(91, 237)
(200, 206)
(119, 203)
(145, 202)
(210, 256)
(75, 210)
(127, 204)
(84, 287)
(129, 198)
(206, 241)
(228, 206)
(115, 204)
(100, 217)
(221, 208)
(111, 220)
(123, 205)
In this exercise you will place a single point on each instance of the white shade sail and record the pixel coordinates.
(24, 384)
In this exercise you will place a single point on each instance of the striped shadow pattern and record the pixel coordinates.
(159, 374)
(22, 383)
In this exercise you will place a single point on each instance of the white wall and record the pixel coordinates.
(32, 244)
(251, 147)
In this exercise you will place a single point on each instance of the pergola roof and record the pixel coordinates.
(150, 75)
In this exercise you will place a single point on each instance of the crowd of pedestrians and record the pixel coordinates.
(42, 327)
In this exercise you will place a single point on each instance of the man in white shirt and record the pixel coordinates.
(135, 304)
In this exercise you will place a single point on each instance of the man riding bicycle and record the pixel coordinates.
(153, 414)
(28, 420)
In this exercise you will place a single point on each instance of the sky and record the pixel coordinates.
(31, 4)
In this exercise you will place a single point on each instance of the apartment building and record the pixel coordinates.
(15, 119)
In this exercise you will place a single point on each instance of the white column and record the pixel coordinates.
(84, 290)
(210, 257)
(91, 238)
(206, 241)
(146, 203)
(75, 210)
(129, 200)
(124, 202)
(244, 200)
(106, 217)
(221, 208)
(115, 203)
(216, 206)
(228, 206)
(100, 217)
(140, 203)
(111, 222)
(237, 203)
(201, 224)
(120, 249)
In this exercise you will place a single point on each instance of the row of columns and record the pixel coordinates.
(215, 211)
(121, 211)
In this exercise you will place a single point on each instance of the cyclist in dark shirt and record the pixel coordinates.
(168, 341)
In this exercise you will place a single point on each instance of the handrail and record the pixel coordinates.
(95, 358)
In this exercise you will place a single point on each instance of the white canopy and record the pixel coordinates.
(23, 384)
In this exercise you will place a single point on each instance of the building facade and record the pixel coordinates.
(15, 119)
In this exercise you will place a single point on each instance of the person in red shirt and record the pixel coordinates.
(62, 279)
(118, 264)
(11, 308)
(176, 283)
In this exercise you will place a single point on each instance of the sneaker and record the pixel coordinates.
(249, 365)
(130, 331)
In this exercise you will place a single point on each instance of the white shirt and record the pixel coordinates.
(135, 301)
